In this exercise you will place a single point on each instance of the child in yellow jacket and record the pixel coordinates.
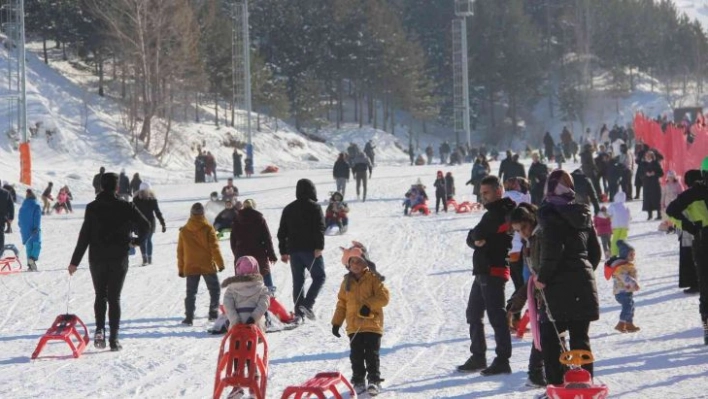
(361, 299)
(624, 274)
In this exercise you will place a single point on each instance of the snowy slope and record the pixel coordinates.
(427, 266)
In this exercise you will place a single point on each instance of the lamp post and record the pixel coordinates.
(463, 9)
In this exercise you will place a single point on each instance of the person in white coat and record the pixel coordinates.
(620, 217)
(246, 299)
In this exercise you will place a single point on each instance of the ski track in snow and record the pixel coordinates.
(428, 272)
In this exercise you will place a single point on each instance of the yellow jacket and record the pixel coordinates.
(198, 249)
(353, 294)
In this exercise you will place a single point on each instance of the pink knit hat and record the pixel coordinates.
(247, 265)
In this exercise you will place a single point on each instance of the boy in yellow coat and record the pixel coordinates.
(361, 299)
(198, 256)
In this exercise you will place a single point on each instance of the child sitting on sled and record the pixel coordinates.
(361, 299)
(415, 196)
(621, 269)
(336, 213)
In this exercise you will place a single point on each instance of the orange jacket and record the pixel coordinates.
(198, 250)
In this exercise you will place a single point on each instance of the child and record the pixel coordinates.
(622, 269)
(30, 222)
(62, 199)
(361, 299)
(336, 213)
(246, 301)
(367, 258)
(415, 196)
(620, 217)
(603, 227)
(440, 192)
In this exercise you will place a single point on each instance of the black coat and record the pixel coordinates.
(584, 191)
(302, 223)
(440, 187)
(587, 163)
(97, 182)
(135, 185)
(250, 236)
(570, 254)
(7, 207)
(514, 169)
(123, 184)
(495, 230)
(341, 169)
(150, 209)
(450, 185)
(238, 168)
(11, 190)
(108, 222)
(652, 186)
(504, 169)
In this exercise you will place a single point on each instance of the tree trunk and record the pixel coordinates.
(385, 113)
(232, 101)
(64, 57)
(360, 100)
(491, 109)
(258, 121)
(44, 50)
(216, 109)
(370, 109)
(356, 106)
(99, 60)
(196, 107)
(123, 73)
(392, 113)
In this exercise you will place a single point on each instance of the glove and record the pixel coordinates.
(181, 275)
(335, 331)
(250, 321)
(365, 311)
(164, 228)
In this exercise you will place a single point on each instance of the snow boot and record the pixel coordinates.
(498, 367)
(149, 259)
(359, 387)
(236, 393)
(187, 321)
(621, 327)
(115, 345)
(630, 327)
(374, 388)
(308, 312)
(145, 261)
(99, 339)
(32, 265)
(536, 379)
(473, 364)
(213, 315)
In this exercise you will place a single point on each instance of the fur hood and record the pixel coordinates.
(246, 278)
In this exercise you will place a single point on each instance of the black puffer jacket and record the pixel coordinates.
(302, 223)
(341, 169)
(108, 222)
(494, 229)
(149, 208)
(569, 255)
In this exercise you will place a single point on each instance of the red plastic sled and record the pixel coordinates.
(243, 361)
(270, 169)
(279, 310)
(422, 208)
(10, 264)
(577, 382)
(318, 385)
(64, 329)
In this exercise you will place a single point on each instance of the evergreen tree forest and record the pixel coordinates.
(371, 62)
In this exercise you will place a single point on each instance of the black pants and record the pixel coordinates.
(535, 359)
(517, 277)
(578, 331)
(108, 278)
(364, 356)
(438, 199)
(487, 294)
(299, 262)
(700, 257)
(361, 178)
(212, 283)
(2, 237)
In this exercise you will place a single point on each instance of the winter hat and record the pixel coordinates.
(197, 209)
(336, 197)
(247, 265)
(353, 252)
(560, 189)
(624, 249)
(144, 186)
(249, 204)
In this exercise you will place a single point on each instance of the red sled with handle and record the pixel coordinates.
(577, 382)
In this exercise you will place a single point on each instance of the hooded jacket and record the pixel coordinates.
(246, 296)
(250, 236)
(30, 220)
(570, 253)
(198, 248)
(302, 223)
(107, 227)
(495, 230)
(353, 294)
(618, 211)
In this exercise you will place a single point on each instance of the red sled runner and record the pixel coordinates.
(10, 264)
(577, 382)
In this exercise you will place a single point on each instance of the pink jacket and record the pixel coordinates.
(603, 225)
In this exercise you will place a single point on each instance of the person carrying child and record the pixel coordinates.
(361, 299)
(621, 269)
(620, 217)
(440, 192)
(336, 213)
(603, 227)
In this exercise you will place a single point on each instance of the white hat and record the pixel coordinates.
(144, 186)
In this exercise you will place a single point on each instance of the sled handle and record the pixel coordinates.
(577, 357)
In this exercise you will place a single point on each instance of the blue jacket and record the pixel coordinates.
(30, 219)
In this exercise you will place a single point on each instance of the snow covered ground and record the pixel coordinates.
(428, 270)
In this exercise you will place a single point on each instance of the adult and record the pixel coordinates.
(369, 151)
(689, 210)
(515, 169)
(135, 184)
(199, 168)
(587, 165)
(301, 242)
(584, 191)
(106, 232)
(616, 178)
(13, 197)
(504, 166)
(353, 149)
(687, 268)
(238, 166)
(570, 253)
(30, 222)
(211, 166)
(538, 173)
(97, 180)
(198, 255)
(147, 204)
(7, 212)
(639, 152)
(229, 191)
(491, 241)
(626, 161)
(341, 173)
(480, 170)
(429, 153)
(411, 154)
(225, 219)
(651, 173)
(566, 142)
(444, 152)
(250, 236)
(548, 145)
(46, 198)
(124, 186)
(602, 161)
(360, 165)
